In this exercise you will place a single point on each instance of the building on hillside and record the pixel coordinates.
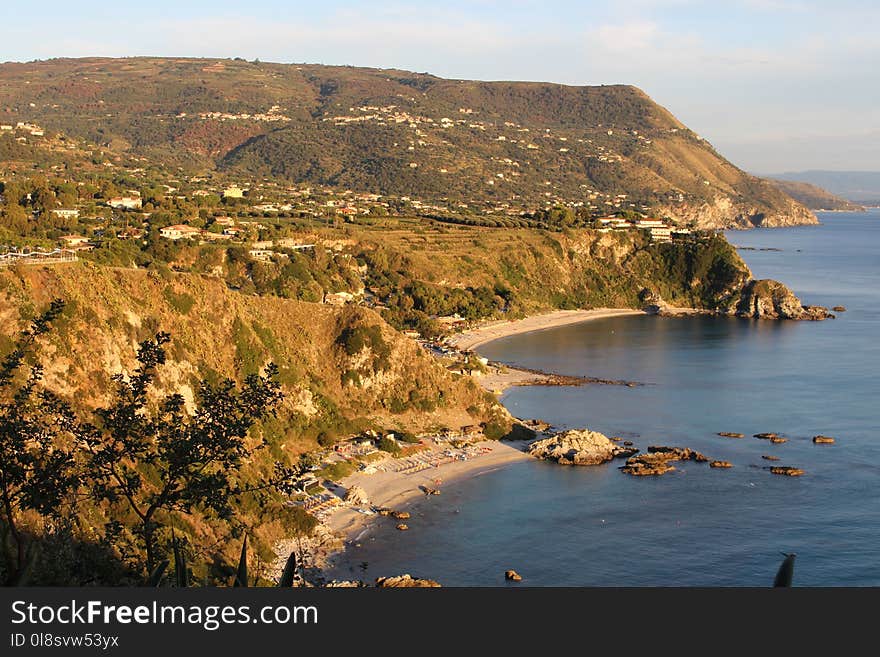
(74, 240)
(263, 255)
(339, 298)
(62, 213)
(178, 232)
(233, 192)
(224, 221)
(215, 237)
(125, 202)
(661, 233)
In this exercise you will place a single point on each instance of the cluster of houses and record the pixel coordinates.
(659, 230)
(24, 126)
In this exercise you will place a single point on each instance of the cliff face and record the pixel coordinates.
(725, 212)
(769, 299)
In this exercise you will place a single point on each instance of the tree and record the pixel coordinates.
(169, 461)
(37, 436)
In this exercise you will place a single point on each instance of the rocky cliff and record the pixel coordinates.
(769, 299)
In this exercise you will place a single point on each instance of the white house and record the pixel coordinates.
(125, 203)
(178, 232)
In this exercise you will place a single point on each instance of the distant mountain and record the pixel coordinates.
(816, 198)
(502, 144)
(857, 186)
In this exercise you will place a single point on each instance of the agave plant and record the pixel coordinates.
(241, 577)
(289, 573)
(155, 579)
(786, 571)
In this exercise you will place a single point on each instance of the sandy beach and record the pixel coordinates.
(499, 329)
(393, 489)
(396, 491)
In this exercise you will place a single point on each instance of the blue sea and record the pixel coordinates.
(594, 526)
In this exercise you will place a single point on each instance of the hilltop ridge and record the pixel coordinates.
(488, 147)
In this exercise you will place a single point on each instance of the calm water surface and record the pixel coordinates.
(562, 526)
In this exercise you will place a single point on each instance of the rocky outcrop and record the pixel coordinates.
(786, 470)
(769, 458)
(823, 440)
(357, 496)
(658, 460)
(512, 576)
(578, 447)
(723, 212)
(405, 582)
(768, 299)
(402, 527)
(720, 464)
(731, 434)
(401, 515)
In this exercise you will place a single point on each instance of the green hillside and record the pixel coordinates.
(516, 145)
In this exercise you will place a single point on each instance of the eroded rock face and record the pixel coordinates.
(769, 299)
(405, 581)
(578, 447)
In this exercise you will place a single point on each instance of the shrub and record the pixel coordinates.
(389, 445)
(496, 430)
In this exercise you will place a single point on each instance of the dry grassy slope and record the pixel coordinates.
(225, 333)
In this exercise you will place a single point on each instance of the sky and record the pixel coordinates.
(774, 85)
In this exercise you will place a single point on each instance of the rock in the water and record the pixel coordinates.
(766, 436)
(405, 581)
(678, 453)
(512, 576)
(770, 458)
(768, 299)
(356, 495)
(778, 440)
(627, 443)
(786, 470)
(720, 464)
(731, 434)
(402, 527)
(578, 447)
(657, 460)
(823, 440)
(839, 309)
(401, 515)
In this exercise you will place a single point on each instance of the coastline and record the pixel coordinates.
(398, 491)
(476, 337)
